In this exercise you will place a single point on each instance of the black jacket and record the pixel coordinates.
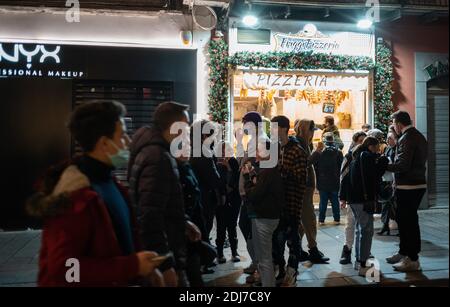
(410, 159)
(266, 197)
(365, 185)
(205, 169)
(328, 167)
(155, 190)
(229, 179)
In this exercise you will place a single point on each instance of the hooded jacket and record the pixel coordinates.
(156, 193)
(77, 226)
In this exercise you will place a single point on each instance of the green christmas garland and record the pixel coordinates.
(384, 76)
(220, 62)
(218, 80)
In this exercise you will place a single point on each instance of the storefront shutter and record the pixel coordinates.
(140, 99)
(438, 107)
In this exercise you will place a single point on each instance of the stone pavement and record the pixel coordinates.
(19, 258)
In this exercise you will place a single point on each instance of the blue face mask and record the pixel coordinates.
(121, 158)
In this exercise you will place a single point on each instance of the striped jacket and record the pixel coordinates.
(293, 167)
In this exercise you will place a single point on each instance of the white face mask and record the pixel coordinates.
(120, 158)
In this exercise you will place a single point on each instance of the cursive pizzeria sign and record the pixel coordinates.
(308, 39)
(35, 60)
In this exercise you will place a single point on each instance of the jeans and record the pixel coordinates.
(286, 232)
(408, 202)
(227, 216)
(364, 232)
(334, 199)
(350, 228)
(308, 226)
(263, 233)
(245, 224)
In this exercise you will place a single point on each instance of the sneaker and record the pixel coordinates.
(316, 256)
(395, 259)
(250, 269)
(337, 223)
(235, 258)
(346, 255)
(290, 278)
(362, 271)
(221, 260)
(407, 265)
(321, 223)
(304, 256)
(357, 265)
(280, 278)
(206, 270)
(253, 278)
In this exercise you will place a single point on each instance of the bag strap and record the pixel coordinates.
(362, 176)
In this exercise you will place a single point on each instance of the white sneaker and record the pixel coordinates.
(395, 258)
(291, 278)
(362, 271)
(407, 265)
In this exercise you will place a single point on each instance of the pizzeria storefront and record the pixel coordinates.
(287, 69)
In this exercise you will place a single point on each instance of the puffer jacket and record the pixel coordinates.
(77, 225)
(156, 193)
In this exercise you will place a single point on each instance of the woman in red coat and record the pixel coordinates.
(89, 233)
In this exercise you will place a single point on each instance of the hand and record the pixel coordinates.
(156, 279)
(343, 204)
(193, 233)
(255, 180)
(146, 266)
(170, 278)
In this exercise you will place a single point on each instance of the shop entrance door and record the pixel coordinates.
(438, 107)
(140, 98)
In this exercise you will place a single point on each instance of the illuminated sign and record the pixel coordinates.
(302, 81)
(34, 60)
(308, 39)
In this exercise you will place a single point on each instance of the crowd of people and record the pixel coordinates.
(158, 230)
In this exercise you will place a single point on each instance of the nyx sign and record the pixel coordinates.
(36, 60)
(39, 51)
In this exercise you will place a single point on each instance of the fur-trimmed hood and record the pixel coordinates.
(53, 196)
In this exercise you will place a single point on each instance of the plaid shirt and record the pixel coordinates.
(293, 167)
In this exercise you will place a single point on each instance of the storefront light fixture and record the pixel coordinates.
(250, 20)
(364, 23)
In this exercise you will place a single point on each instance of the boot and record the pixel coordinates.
(385, 229)
(316, 256)
(346, 256)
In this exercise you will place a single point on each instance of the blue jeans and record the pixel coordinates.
(334, 199)
(364, 232)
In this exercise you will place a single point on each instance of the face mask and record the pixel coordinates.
(121, 158)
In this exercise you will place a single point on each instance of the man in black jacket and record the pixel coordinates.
(156, 192)
(410, 181)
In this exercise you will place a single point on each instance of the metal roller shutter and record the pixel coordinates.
(438, 107)
(140, 99)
